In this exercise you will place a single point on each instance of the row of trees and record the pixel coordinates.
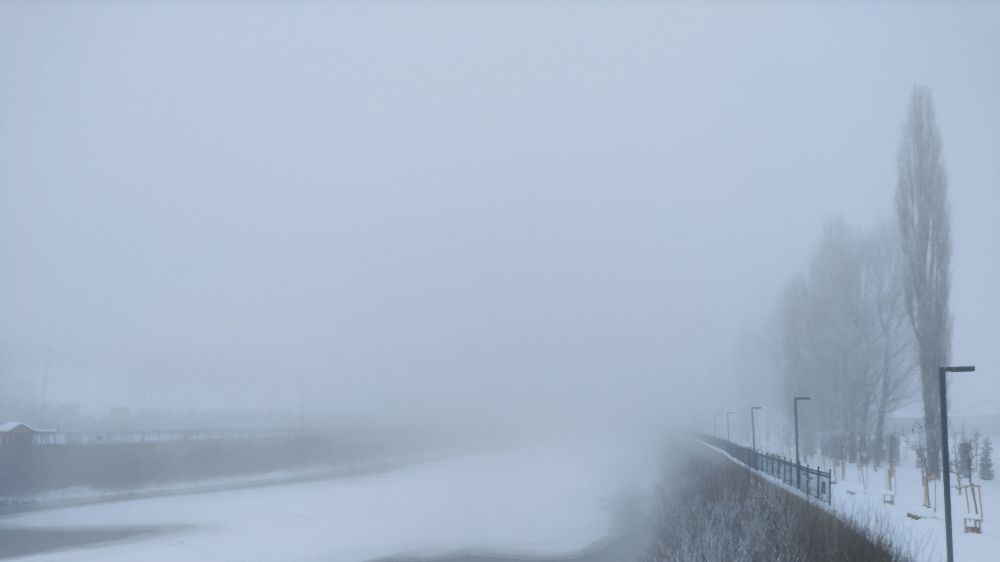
(865, 327)
(973, 455)
(845, 336)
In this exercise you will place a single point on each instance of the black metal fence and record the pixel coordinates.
(812, 482)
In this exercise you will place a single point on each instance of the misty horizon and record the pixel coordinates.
(450, 219)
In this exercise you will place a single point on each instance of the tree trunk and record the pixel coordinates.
(932, 415)
(883, 405)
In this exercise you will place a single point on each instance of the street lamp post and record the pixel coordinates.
(753, 427)
(798, 466)
(728, 438)
(946, 467)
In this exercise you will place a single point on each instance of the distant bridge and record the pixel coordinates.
(47, 438)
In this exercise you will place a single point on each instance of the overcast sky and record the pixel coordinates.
(478, 207)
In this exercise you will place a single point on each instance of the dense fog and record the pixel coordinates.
(487, 218)
(488, 210)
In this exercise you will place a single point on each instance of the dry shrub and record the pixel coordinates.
(714, 510)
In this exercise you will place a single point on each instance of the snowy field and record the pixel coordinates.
(542, 500)
(852, 497)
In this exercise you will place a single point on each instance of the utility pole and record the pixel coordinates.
(753, 426)
(945, 463)
(798, 465)
(728, 437)
(301, 409)
(45, 381)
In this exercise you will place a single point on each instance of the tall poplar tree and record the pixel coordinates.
(925, 228)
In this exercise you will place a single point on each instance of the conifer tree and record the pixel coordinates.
(986, 460)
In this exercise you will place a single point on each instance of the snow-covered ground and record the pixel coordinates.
(84, 494)
(927, 534)
(544, 500)
(858, 498)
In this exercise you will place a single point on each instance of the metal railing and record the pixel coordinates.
(812, 482)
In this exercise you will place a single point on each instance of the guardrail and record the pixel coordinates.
(813, 482)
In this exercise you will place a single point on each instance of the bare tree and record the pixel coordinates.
(925, 231)
(893, 338)
(829, 347)
(845, 337)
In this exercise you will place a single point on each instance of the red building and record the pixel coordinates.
(18, 434)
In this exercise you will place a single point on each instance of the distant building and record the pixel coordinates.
(19, 434)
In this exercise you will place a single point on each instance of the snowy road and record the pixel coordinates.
(540, 501)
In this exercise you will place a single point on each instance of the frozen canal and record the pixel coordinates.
(543, 501)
